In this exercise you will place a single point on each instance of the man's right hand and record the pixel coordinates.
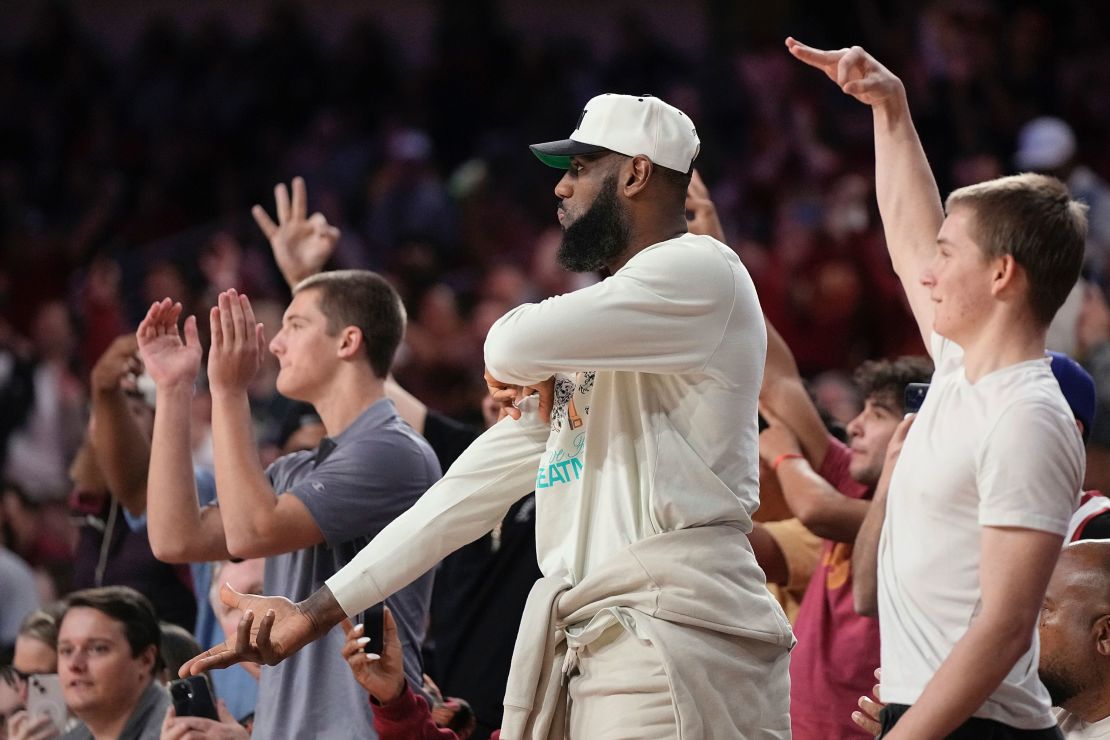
(284, 628)
(302, 245)
(856, 72)
(168, 358)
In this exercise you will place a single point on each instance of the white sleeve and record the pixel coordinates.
(496, 470)
(1031, 469)
(665, 312)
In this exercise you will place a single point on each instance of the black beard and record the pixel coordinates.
(1060, 687)
(599, 236)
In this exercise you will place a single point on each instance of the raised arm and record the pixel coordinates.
(784, 395)
(823, 510)
(302, 244)
(663, 312)
(909, 202)
(257, 522)
(122, 449)
(179, 530)
(498, 469)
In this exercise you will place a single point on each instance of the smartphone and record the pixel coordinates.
(44, 697)
(914, 397)
(373, 626)
(192, 697)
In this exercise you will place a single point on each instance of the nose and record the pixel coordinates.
(277, 345)
(855, 427)
(928, 277)
(563, 188)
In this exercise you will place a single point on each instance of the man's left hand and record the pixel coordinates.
(238, 343)
(507, 396)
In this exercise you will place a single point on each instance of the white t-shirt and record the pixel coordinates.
(654, 430)
(1003, 452)
(1076, 729)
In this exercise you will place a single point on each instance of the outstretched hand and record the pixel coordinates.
(116, 364)
(282, 630)
(302, 245)
(238, 343)
(856, 72)
(169, 358)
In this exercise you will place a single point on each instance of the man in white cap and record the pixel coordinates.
(652, 620)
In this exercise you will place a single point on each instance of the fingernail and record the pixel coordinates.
(248, 614)
(358, 629)
(373, 656)
(362, 641)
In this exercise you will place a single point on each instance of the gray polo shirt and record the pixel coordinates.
(376, 470)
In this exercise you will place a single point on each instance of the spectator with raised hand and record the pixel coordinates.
(310, 511)
(994, 461)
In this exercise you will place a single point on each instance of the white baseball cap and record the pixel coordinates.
(629, 125)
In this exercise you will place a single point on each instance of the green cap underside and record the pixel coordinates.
(558, 161)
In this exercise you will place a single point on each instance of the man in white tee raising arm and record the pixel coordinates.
(982, 493)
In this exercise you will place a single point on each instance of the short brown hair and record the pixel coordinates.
(366, 301)
(128, 607)
(1032, 218)
(885, 381)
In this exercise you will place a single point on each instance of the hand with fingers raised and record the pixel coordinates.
(283, 629)
(302, 244)
(170, 359)
(383, 676)
(238, 344)
(856, 72)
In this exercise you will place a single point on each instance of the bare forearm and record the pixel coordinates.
(173, 515)
(909, 201)
(865, 557)
(821, 508)
(973, 670)
(122, 450)
(246, 498)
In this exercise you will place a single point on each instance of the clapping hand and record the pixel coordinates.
(168, 357)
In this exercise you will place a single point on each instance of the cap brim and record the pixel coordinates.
(557, 154)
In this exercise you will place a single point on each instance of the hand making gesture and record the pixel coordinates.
(282, 630)
(168, 358)
(238, 343)
(302, 245)
(856, 72)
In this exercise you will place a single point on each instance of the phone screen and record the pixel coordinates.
(373, 621)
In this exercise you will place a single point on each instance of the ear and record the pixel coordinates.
(1102, 635)
(635, 174)
(350, 342)
(147, 659)
(1006, 274)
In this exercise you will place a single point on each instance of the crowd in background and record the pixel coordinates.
(127, 178)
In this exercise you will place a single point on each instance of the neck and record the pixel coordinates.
(1090, 706)
(347, 397)
(110, 723)
(1002, 342)
(646, 234)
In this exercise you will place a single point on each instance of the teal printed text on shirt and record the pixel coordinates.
(561, 466)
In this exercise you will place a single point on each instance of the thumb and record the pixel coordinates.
(260, 333)
(231, 597)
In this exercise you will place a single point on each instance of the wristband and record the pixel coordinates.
(785, 456)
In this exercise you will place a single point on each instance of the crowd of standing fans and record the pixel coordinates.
(129, 177)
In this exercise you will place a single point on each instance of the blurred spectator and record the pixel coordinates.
(36, 647)
(20, 596)
(1048, 145)
(40, 451)
(176, 646)
(108, 657)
